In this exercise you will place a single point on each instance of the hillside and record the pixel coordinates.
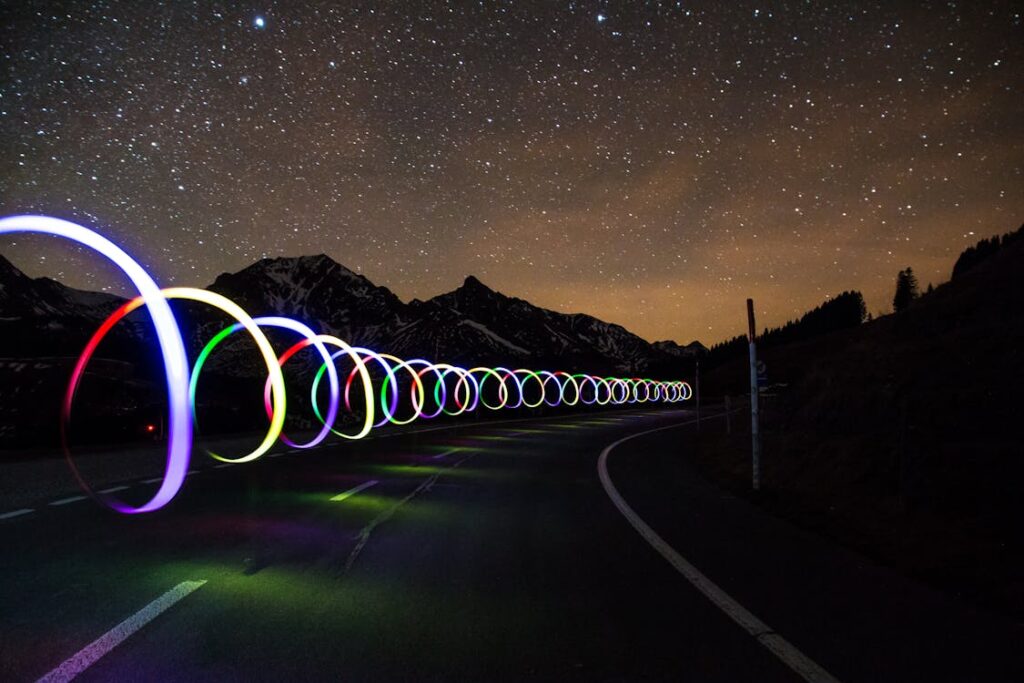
(901, 436)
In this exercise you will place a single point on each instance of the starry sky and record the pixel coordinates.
(652, 164)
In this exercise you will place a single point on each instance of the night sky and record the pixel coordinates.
(652, 164)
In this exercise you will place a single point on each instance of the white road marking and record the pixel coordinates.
(222, 465)
(353, 491)
(275, 455)
(445, 454)
(65, 501)
(364, 535)
(151, 481)
(112, 489)
(192, 472)
(800, 663)
(16, 513)
(117, 635)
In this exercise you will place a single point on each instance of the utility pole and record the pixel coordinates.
(697, 394)
(755, 427)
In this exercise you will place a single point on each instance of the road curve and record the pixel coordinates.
(488, 552)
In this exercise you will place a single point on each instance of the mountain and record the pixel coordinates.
(694, 348)
(41, 316)
(506, 328)
(320, 292)
(23, 297)
(44, 325)
(471, 325)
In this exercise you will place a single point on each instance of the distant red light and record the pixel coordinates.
(150, 428)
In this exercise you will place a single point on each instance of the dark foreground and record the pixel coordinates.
(491, 552)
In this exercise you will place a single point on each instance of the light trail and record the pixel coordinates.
(399, 391)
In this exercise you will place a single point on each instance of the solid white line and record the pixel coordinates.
(803, 665)
(88, 655)
(16, 513)
(445, 454)
(112, 489)
(351, 492)
(65, 501)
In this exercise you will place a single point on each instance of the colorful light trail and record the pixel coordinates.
(399, 391)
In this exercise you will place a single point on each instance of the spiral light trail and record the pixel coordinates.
(389, 390)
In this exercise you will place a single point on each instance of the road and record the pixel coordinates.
(488, 552)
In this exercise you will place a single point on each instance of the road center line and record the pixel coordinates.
(16, 513)
(88, 656)
(353, 491)
(69, 499)
(446, 453)
(800, 663)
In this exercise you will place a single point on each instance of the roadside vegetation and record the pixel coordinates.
(899, 436)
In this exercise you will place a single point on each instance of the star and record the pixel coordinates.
(560, 171)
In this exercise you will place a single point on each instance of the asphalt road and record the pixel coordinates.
(491, 552)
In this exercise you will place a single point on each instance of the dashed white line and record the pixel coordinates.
(151, 481)
(222, 465)
(117, 635)
(353, 491)
(112, 489)
(445, 454)
(16, 513)
(796, 660)
(69, 499)
(274, 455)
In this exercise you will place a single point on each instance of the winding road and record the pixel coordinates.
(573, 547)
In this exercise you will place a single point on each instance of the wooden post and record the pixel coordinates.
(697, 394)
(755, 427)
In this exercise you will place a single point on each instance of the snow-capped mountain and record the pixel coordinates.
(23, 297)
(44, 326)
(516, 329)
(694, 348)
(40, 316)
(320, 292)
(472, 324)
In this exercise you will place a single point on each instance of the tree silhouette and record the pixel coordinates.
(839, 313)
(906, 290)
(984, 250)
